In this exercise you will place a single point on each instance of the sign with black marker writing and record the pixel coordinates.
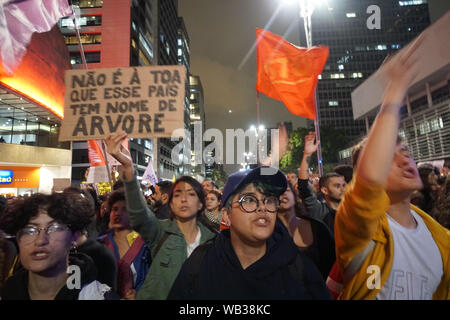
(145, 102)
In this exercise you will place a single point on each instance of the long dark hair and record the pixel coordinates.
(197, 188)
(299, 207)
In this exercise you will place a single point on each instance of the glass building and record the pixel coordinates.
(357, 49)
(126, 33)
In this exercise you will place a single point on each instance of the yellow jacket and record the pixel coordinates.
(361, 217)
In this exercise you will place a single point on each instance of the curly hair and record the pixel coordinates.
(61, 207)
(117, 195)
(217, 193)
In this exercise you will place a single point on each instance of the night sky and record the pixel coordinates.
(222, 33)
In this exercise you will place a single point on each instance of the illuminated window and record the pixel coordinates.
(412, 2)
(351, 15)
(333, 103)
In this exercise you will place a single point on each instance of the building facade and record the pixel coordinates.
(31, 107)
(425, 120)
(117, 33)
(357, 49)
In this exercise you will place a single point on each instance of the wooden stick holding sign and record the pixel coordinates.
(144, 102)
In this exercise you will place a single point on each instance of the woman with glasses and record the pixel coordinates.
(46, 228)
(172, 240)
(255, 258)
(311, 236)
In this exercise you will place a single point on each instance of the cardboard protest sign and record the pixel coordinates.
(145, 102)
(59, 184)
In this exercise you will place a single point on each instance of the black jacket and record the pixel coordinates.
(220, 275)
(317, 209)
(162, 212)
(104, 261)
(16, 287)
(323, 250)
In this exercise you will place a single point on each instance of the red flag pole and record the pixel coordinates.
(258, 122)
(317, 129)
(77, 31)
(306, 13)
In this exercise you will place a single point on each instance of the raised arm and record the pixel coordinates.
(309, 148)
(376, 158)
(305, 192)
(142, 219)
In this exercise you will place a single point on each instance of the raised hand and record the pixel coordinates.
(401, 70)
(310, 145)
(115, 148)
(283, 139)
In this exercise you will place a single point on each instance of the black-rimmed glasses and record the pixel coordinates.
(250, 203)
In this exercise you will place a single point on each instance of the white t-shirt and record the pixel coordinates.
(417, 267)
(191, 246)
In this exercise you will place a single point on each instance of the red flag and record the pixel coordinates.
(96, 157)
(289, 73)
(19, 19)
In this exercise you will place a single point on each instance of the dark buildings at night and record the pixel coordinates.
(357, 50)
(123, 33)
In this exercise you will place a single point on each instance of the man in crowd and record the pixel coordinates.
(161, 198)
(331, 185)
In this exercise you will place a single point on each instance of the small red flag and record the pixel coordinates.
(289, 73)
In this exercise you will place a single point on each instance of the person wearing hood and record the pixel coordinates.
(46, 228)
(255, 258)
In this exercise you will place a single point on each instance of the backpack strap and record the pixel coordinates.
(160, 243)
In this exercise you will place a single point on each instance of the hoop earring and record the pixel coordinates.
(73, 249)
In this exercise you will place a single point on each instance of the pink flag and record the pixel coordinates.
(19, 19)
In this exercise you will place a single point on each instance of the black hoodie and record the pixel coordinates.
(221, 276)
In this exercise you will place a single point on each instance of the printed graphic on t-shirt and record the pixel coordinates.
(417, 265)
(403, 285)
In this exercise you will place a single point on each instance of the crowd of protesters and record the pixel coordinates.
(376, 230)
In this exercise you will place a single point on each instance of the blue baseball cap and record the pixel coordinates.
(267, 175)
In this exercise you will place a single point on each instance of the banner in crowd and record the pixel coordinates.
(145, 102)
(150, 174)
(20, 19)
(98, 171)
(289, 73)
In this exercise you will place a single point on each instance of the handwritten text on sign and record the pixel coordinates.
(144, 102)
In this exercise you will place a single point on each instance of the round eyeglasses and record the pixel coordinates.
(249, 203)
(28, 234)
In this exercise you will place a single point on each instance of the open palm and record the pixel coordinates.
(310, 146)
